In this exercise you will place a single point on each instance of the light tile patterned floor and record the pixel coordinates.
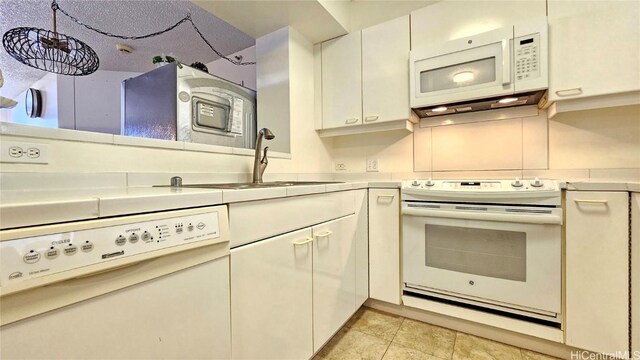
(374, 335)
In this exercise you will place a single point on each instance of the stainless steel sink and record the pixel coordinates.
(237, 186)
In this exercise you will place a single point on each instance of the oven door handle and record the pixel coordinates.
(515, 218)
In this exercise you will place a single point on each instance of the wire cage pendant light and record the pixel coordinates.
(50, 50)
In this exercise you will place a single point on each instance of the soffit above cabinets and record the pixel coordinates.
(259, 18)
(317, 20)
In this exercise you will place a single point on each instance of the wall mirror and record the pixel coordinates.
(96, 102)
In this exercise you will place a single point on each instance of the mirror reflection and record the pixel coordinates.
(171, 86)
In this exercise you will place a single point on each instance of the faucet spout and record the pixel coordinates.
(260, 165)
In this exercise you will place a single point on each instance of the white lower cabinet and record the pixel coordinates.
(384, 245)
(290, 293)
(597, 271)
(271, 287)
(362, 248)
(635, 272)
(334, 277)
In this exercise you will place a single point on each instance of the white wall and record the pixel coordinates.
(48, 86)
(244, 75)
(97, 101)
(309, 153)
(273, 53)
(601, 138)
(574, 144)
(87, 103)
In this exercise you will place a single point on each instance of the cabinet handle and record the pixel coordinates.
(303, 242)
(326, 233)
(371, 118)
(390, 197)
(603, 202)
(569, 92)
(352, 120)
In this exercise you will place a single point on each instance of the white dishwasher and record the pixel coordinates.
(130, 287)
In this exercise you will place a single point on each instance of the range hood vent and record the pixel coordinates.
(497, 102)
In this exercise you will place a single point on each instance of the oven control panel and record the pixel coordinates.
(515, 185)
(29, 258)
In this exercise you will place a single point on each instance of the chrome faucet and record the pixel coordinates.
(259, 165)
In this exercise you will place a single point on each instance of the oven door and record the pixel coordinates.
(499, 260)
(463, 69)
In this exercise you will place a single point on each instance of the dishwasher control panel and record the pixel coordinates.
(33, 257)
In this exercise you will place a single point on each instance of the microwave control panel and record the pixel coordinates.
(527, 57)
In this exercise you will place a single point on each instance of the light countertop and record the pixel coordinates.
(20, 208)
(632, 186)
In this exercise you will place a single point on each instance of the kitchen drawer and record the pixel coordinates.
(255, 220)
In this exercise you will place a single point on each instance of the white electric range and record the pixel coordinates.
(493, 245)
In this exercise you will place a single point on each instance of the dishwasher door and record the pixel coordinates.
(182, 314)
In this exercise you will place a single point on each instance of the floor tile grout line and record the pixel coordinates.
(408, 347)
(453, 349)
(393, 337)
(398, 329)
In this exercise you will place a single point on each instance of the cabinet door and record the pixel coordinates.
(635, 271)
(597, 270)
(385, 71)
(342, 81)
(593, 47)
(271, 294)
(334, 277)
(384, 245)
(362, 248)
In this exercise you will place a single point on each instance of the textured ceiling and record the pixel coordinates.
(122, 17)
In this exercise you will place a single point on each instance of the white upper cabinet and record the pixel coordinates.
(341, 82)
(385, 71)
(594, 48)
(365, 76)
(454, 19)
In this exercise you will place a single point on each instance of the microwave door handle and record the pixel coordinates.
(506, 61)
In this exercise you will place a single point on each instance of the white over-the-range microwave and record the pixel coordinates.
(501, 68)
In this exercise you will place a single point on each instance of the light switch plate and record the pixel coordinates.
(24, 152)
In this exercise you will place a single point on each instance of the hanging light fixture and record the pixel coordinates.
(49, 50)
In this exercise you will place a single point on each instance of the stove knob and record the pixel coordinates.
(430, 183)
(537, 183)
(516, 183)
(415, 183)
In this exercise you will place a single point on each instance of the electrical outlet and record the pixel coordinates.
(33, 152)
(16, 151)
(25, 153)
(341, 166)
(372, 165)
